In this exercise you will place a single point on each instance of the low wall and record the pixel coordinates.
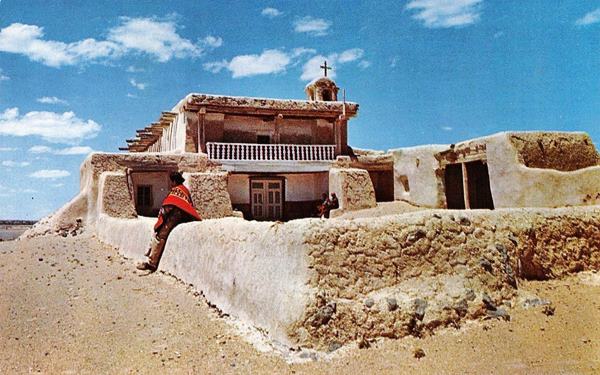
(256, 271)
(319, 283)
(516, 185)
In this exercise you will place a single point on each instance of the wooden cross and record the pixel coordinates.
(325, 67)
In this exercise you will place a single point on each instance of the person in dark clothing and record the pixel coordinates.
(177, 208)
(333, 202)
(324, 207)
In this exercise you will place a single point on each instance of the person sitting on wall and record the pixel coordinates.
(333, 202)
(177, 208)
(325, 206)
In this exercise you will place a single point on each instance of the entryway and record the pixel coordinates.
(266, 197)
(475, 176)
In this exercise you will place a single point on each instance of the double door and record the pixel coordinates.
(266, 199)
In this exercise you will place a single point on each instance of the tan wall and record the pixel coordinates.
(115, 199)
(418, 165)
(515, 185)
(353, 188)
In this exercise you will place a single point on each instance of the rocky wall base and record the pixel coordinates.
(410, 274)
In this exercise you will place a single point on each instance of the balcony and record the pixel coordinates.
(269, 152)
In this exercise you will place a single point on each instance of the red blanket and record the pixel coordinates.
(180, 197)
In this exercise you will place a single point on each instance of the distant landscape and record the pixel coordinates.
(11, 229)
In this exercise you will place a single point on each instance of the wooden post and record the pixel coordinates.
(465, 185)
(201, 145)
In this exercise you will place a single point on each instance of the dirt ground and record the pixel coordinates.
(73, 305)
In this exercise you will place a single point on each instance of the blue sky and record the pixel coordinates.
(77, 76)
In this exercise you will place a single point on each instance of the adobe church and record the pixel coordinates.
(277, 152)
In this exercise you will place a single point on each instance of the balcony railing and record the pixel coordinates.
(269, 152)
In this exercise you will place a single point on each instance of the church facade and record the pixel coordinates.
(277, 152)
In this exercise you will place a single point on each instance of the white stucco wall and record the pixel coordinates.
(257, 272)
(418, 164)
(298, 187)
(515, 185)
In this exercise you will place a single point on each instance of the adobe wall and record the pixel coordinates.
(513, 184)
(85, 206)
(322, 283)
(415, 178)
(526, 169)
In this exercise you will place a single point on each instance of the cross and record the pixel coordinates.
(325, 67)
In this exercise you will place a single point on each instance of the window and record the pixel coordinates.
(144, 196)
(263, 139)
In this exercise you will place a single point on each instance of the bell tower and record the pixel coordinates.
(323, 88)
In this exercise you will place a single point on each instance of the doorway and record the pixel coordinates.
(467, 185)
(266, 199)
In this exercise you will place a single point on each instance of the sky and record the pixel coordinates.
(80, 76)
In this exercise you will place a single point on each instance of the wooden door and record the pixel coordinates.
(266, 199)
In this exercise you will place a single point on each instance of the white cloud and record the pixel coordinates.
(312, 26)
(75, 150)
(130, 95)
(40, 149)
(51, 100)
(13, 164)
(269, 62)
(212, 41)
(590, 18)
(364, 64)
(153, 37)
(446, 13)
(3, 77)
(446, 128)
(134, 69)
(50, 173)
(394, 62)
(149, 36)
(271, 12)
(350, 55)
(312, 68)
(137, 85)
(28, 40)
(6, 149)
(58, 185)
(51, 126)
(498, 34)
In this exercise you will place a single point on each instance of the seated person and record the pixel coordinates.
(177, 208)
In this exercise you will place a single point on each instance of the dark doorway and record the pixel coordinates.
(263, 139)
(383, 183)
(453, 182)
(480, 194)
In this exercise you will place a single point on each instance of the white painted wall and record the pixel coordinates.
(298, 187)
(419, 165)
(515, 185)
(255, 271)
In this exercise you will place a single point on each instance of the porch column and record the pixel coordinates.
(201, 144)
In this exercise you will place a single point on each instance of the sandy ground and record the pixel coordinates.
(73, 305)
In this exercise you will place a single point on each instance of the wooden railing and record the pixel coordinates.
(270, 152)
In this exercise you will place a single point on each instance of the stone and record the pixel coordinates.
(335, 345)
(420, 305)
(418, 353)
(534, 302)
(392, 304)
(369, 302)
(486, 265)
(549, 310)
(416, 235)
(498, 313)
(324, 314)
(487, 301)
(363, 343)
(464, 221)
